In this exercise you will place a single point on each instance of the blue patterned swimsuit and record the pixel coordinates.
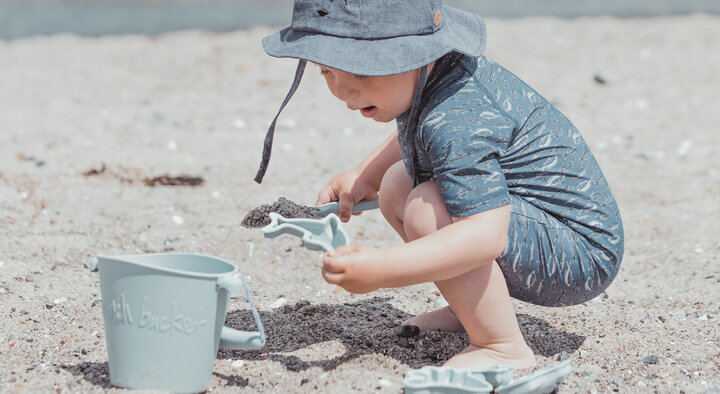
(490, 140)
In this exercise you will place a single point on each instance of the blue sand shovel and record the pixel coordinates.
(436, 380)
(324, 234)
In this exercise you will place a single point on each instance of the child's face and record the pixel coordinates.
(381, 98)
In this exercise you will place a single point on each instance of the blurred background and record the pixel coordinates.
(23, 18)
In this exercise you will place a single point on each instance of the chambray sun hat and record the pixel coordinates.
(371, 38)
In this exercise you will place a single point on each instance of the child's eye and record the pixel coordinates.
(324, 72)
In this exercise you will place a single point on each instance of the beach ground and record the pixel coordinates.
(83, 121)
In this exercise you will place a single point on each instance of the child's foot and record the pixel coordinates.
(520, 357)
(442, 319)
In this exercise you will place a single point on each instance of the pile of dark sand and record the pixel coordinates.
(365, 327)
(259, 217)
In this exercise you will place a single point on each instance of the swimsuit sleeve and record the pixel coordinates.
(463, 144)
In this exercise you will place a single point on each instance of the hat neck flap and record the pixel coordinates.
(267, 145)
(411, 125)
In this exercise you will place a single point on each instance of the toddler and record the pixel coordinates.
(493, 190)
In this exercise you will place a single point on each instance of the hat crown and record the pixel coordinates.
(367, 19)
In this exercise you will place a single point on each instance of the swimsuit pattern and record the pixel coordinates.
(490, 140)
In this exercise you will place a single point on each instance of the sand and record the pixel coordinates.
(643, 92)
(258, 216)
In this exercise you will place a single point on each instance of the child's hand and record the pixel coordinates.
(355, 268)
(346, 188)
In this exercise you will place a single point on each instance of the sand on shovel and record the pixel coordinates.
(259, 217)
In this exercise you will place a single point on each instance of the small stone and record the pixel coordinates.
(600, 79)
(684, 148)
(304, 381)
(407, 331)
(384, 382)
(662, 318)
(402, 342)
(563, 356)
(172, 145)
(705, 317)
(59, 300)
(237, 364)
(251, 248)
(651, 377)
(278, 303)
(3, 290)
(177, 219)
(651, 359)
(707, 277)
(1, 264)
(240, 123)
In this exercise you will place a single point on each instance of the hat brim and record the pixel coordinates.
(463, 32)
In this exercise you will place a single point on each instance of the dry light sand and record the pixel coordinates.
(197, 103)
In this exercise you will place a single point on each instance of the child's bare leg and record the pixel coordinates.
(394, 191)
(478, 298)
(481, 301)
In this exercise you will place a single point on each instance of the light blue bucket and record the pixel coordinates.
(164, 318)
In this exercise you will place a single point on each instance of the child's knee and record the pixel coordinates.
(394, 189)
(425, 210)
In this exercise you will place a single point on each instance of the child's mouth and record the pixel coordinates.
(369, 112)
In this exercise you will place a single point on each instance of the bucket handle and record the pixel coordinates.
(231, 338)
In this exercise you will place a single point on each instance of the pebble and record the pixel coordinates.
(59, 300)
(600, 79)
(177, 219)
(240, 123)
(3, 290)
(407, 331)
(684, 148)
(705, 317)
(251, 248)
(1, 264)
(651, 359)
(278, 303)
(237, 364)
(172, 145)
(384, 382)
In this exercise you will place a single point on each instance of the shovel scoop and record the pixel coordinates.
(324, 234)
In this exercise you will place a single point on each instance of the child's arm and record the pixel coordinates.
(460, 247)
(362, 181)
